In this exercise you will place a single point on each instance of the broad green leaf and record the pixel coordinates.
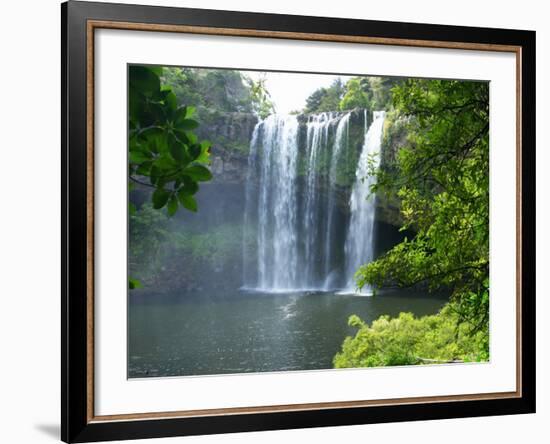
(145, 168)
(192, 137)
(188, 124)
(156, 69)
(160, 197)
(171, 101)
(143, 79)
(180, 114)
(204, 156)
(187, 201)
(190, 186)
(198, 172)
(161, 140)
(134, 99)
(146, 134)
(177, 151)
(195, 151)
(163, 163)
(172, 206)
(159, 143)
(138, 157)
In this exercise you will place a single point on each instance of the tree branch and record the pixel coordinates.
(133, 179)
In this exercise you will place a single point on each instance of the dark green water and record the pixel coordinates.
(251, 332)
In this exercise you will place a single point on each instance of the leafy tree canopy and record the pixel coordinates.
(357, 95)
(261, 99)
(164, 152)
(326, 99)
(372, 93)
(219, 90)
(442, 181)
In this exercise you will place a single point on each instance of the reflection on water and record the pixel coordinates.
(251, 332)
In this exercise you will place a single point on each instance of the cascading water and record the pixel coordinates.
(274, 159)
(360, 238)
(340, 139)
(294, 231)
(318, 129)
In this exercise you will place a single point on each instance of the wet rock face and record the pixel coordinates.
(230, 134)
(228, 131)
(228, 167)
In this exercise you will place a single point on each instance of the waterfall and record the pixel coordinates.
(360, 238)
(295, 220)
(318, 128)
(274, 154)
(340, 139)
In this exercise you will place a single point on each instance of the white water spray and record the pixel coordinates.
(292, 217)
(359, 246)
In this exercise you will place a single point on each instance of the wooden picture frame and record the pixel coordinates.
(79, 22)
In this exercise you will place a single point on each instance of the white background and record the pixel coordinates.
(29, 238)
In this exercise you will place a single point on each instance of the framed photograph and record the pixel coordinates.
(275, 221)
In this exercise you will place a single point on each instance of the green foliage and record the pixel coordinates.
(215, 91)
(217, 245)
(261, 99)
(406, 340)
(188, 201)
(148, 231)
(356, 95)
(224, 100)
(157, 248)
(223, 90)
(164, 152)
(313, 102)
(381, 91)
(326, 99)
(371, 93)
(441, 179)
(158, 245)
(394, 136)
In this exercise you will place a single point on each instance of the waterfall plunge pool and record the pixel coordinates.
(250, 331)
